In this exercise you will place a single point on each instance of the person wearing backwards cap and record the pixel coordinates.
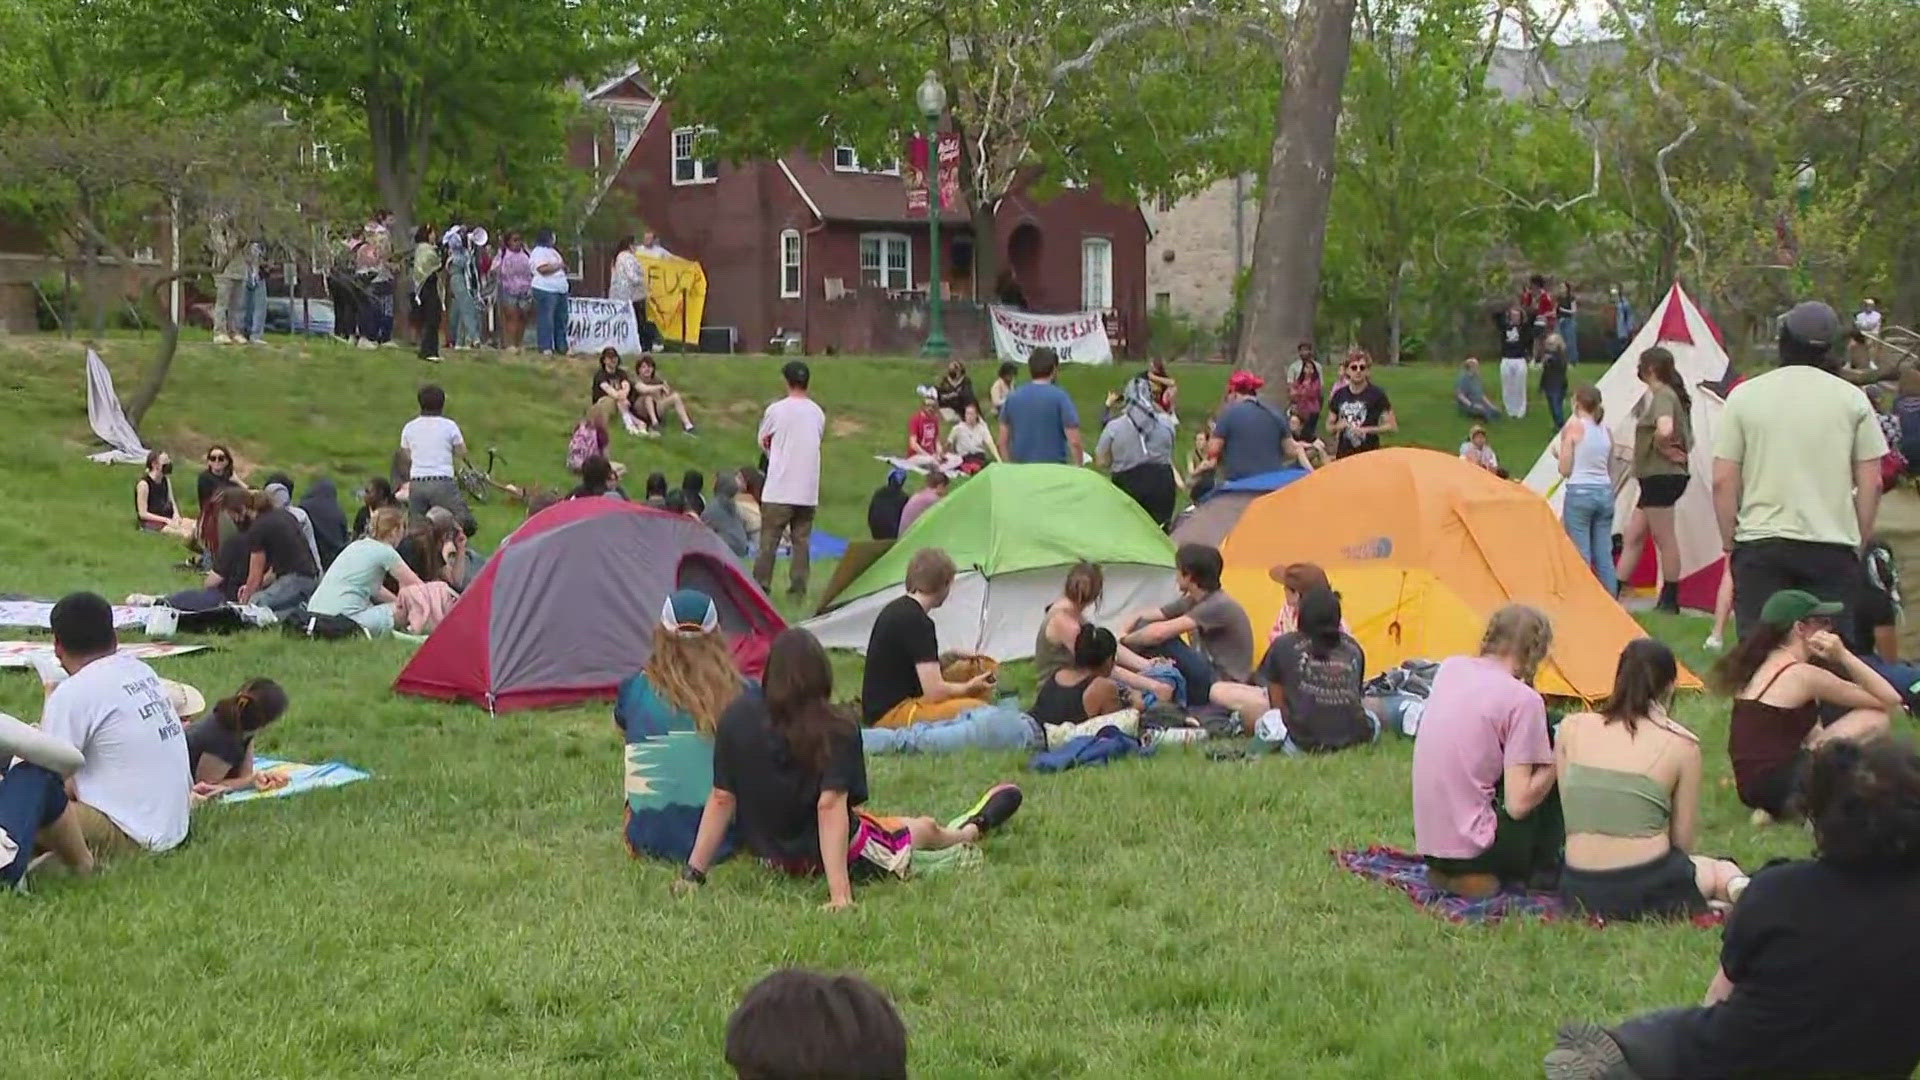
(668, 713)
(1250, 437)
(1796, 474)
(1782, 672)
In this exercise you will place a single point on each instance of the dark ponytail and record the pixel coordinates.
(1642, 679)
(1658, 362)
(1094, 647)
(256, 704)
(1320, 621)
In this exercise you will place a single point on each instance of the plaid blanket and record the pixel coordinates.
(1407, 872)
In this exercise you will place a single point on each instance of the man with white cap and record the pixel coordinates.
(1796, 473)
(106, 774)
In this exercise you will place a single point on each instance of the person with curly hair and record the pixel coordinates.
(1820, 959)
(1485, 813)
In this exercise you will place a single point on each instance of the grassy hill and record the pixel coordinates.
(472, 912)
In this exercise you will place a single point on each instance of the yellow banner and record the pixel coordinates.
(676, 296)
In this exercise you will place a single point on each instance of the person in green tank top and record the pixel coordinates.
(1629, 780)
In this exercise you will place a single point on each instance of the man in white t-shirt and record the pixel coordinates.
(1867, 320)
(432, 444)
(132, 788)
(790, 433)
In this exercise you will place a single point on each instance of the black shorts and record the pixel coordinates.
(1665, 888)
(1661, 492)
(1777, 791)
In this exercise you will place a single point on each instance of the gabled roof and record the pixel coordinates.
(862, 198)
(627, 85)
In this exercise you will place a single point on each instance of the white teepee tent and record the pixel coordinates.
(1678, 324)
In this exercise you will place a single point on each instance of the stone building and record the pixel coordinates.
(1198, 246)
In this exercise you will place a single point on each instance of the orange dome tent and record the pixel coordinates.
(1422, 547)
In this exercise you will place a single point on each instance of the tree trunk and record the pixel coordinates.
(1394, 283)
(397, 183)
(1283, 290)
(156, 377)
(986, 253)
(96, 293)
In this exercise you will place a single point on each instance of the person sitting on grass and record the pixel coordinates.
(282, 568)
(693, 483)
(792, 770)
(904, 683)
(954, 392)
(971, 440)
(1629, 782)
(722, 515)
(1485, 814)
(923, 432)
(154, 508)
(888, 503)
(1470, 394)
(376, 495)
(598, 480)
(752, 480)
(591, 437)
(1295, 581)
(1218, 666)
(1085, 688)
(656, 397)
(1313, 677)
(126, 790)
(1779, 677)
(611, 382)
(656, 490)
(668, 713)
(279, 491)
(932, 490)
(220, 744)
(676, 504)
(1060, 630)
(1003, 383)
(1820, 958)
(802, 1025)
(1202, 468)
(353, 586)
(1475, 450)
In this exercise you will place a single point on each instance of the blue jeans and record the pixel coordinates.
(1570, 333)
(31, 798)
(253, 307)
(1903, 677)
(550, 321)
(990, 727)
(1588, 517)
(1194, 667)
(1557, 407)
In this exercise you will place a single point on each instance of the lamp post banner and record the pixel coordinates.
(1079, 338)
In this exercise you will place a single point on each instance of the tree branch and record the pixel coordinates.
(1178, 17)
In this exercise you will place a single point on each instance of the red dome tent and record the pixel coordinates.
(567, 607)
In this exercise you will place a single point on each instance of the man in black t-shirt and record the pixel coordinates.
(278, 548)
(1359, 410)
(904, 684)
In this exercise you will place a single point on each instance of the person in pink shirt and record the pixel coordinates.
(934, 490)
(1485, 814)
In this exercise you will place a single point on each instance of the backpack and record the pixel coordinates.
(584, 444)
(304, 623)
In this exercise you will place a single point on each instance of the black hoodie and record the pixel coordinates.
(329, 521)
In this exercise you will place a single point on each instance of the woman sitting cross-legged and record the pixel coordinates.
(1779, 677)
(1070, 613)
(1086, 687)
(791, 770)
(668, 713)
(153, 506)
(1313, 677)
(1629, 778)
(1820, 959)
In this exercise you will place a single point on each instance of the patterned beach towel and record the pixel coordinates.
(300, 777)
(38, 614)
(1407, 872)
(20, 654)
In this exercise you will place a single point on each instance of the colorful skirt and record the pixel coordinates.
(879, 846)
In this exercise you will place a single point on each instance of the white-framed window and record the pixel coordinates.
(688, 168)
(789, 263)
(886, 261)
(847, 159)
(626, 131)
(1096, 274)
(144, 254)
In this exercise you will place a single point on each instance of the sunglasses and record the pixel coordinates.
(1356, 367)
(216, 457)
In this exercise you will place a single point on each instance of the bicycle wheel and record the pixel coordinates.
(472, 484)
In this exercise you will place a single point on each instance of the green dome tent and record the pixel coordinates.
(1013, 531)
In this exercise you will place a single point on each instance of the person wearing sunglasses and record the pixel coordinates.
(1360, 410)
(218, 474)
(1779, 676)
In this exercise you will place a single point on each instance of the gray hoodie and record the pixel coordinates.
(722, 515)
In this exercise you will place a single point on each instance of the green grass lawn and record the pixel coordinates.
(471, 911)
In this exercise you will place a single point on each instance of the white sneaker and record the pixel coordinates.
(222, 339)
(365, 343)
(141, 599)
(257, 341)
(1713, 643)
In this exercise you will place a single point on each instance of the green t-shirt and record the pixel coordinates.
(1797, 432)
(353, 579)
(1660, 401)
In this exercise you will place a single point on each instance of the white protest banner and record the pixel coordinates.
(594, 324)
(1080, 338)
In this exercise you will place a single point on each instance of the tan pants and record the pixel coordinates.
(103, 837)
(920, 711)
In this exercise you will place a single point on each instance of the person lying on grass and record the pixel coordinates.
(803, 1025)
(106, 772)
(1629, 780)
(1485, 813)
(1218, 666)
(668, 713)
(791, 769)
(1779, 677)
(1820, 958)
(220, 744)
(904, 682)
(1070, 611)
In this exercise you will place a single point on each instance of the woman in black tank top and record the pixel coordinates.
(1086, 689)
(153, 494)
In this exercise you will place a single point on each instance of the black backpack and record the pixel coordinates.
(304, 623)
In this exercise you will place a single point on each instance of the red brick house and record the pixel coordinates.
(821, 249)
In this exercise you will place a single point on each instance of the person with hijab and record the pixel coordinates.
(426, 266)
(463, 290)
(722, 514)
(327, 519)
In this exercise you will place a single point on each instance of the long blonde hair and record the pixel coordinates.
(694, 673)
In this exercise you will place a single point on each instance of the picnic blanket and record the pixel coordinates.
(20, 654)
(822, 545)
(1407, 872)
(300, 777)
(38, 614)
